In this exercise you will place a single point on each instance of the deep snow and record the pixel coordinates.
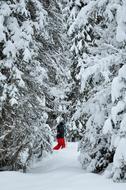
(60, 171)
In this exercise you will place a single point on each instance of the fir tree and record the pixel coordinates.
(31, 69)
(97, 33)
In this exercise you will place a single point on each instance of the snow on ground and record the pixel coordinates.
(60, 171)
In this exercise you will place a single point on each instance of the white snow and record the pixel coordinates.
(123, 125)
(116, 109)
(121, 21)
(107, 126)
(60, 171)
(82, 17)
(116, 88)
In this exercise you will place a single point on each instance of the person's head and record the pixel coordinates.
(61, 123)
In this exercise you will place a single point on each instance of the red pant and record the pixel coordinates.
(61, 144)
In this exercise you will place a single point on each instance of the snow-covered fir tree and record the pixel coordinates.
(32, 74)
(97, 30)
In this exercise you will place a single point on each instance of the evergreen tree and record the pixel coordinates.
(31, 69)
(97, 32)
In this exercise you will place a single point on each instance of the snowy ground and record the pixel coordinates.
(61, 171)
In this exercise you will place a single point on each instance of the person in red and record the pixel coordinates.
(60, 136)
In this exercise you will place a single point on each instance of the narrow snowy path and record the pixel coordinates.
(60, 171)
